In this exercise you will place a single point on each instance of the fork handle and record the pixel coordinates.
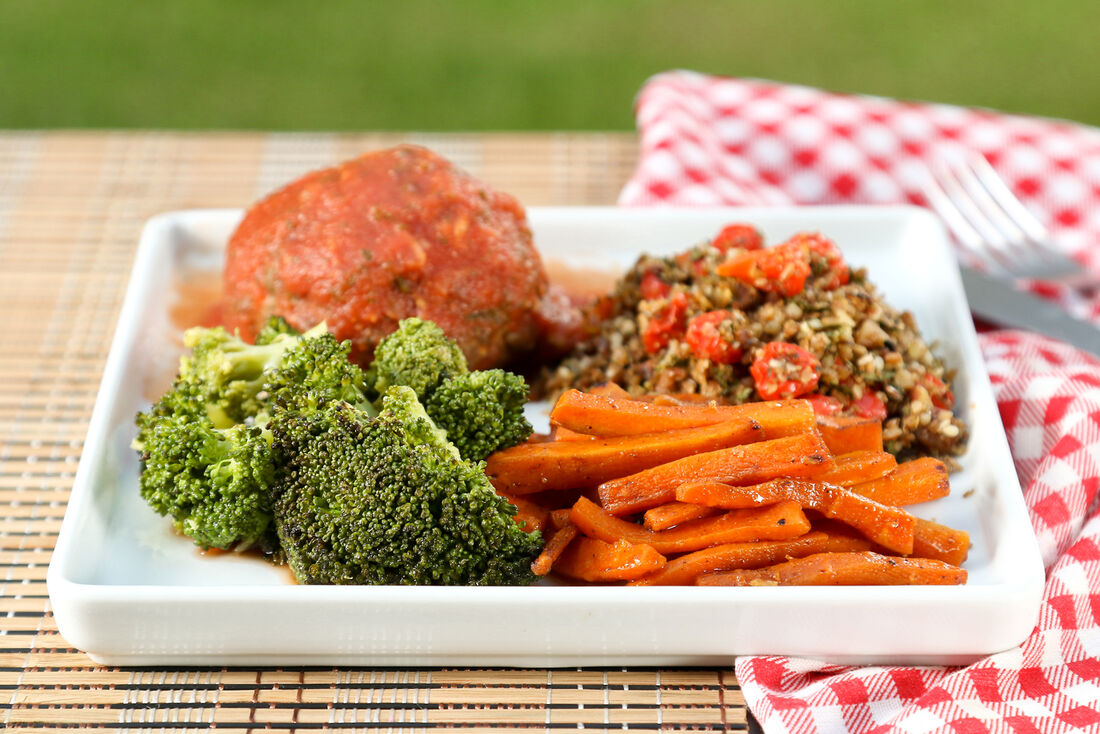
(1000, 303)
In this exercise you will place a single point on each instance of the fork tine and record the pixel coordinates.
(997, 189)
(972, 242)
(1016, 249)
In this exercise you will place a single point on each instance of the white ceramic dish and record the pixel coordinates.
(129, 591)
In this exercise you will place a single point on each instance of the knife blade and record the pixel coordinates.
(999, 303)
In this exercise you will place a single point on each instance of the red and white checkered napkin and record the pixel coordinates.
(708, 141)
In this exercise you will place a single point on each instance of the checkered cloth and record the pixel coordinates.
(708, 141)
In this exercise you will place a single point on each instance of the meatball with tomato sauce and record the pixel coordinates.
(392, 234)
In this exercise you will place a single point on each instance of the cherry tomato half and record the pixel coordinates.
(824, 405)
(823, 247)
(652, 287)
(784, 370)
(666, 325)
(782, 269)
(869, 406)
(743, 236)
(705, 339)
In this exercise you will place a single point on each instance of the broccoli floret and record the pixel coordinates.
(213, 482)
(386, 500)
(205, 449)
(481, 411)
(229, 374)
(318, 367)
(418, 355)
(275, 326)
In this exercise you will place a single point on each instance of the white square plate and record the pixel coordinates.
(129, 591)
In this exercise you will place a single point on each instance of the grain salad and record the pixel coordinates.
(733, 321)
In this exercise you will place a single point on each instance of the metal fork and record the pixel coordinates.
(995, 230)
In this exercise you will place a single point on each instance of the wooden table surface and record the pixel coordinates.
(72, 205)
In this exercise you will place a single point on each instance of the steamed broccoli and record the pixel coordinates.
(275, 326)
(481, 411)
(387, 500)
(211, 481)
(417, 355)
(205, 449)
(228, 374)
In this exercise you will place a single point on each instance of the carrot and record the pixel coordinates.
(804, 455)
(835, 569)
(529, 515)
(560, 518)
(932, 540)
(674, 513)
(601, 415)
(609, 389)
(561, 433)
(911, 482)
(845, 434)
(529, 468)
(890, 527)
(594, 560)
(685, 569)
(553, 548)
(679, 398)
(859, 466)
(780, 521)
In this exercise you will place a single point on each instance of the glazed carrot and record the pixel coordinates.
(911, 482)
(553, 548)
(561, 433)
(890, 527)
(609, 389)
(539, 467)
(859, 466)
(529, 515)
(845, 434)
(600, 415)
(836, 569)
(679, 398)
(803, 456)
(560, 518)
(932, 540)
(685, 569)
(674, 513)
(780, 521)
(594, 560)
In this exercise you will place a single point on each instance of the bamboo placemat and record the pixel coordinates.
(71, 209)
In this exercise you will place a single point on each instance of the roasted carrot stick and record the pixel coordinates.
(538, 467)
(836, 569)
(553, 548)
(890, 527)
(561, 433)
(594, 560)
(679, 398)
(529, 515)
(911, 482)
(560, 518)
(610, 389)
(780, 521)
(685, 569)
(803, 456)
(601, 415)
(932, 540)
(674, 513)
(859, 466)
(845, 434)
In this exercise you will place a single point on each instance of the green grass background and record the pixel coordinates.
(515, 65)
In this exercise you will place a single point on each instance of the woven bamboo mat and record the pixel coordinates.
(71, 208)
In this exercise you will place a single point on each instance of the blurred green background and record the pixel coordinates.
(513, 65)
